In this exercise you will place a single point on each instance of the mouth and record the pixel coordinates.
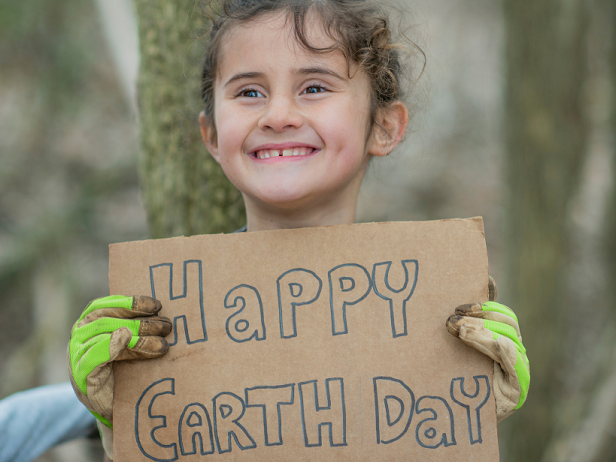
(298, 151)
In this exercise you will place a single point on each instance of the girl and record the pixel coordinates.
(299, 96)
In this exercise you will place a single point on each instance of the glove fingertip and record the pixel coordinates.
(492, 290)
(453, 325)
(146, 304)
(154, 345)
(469, 309)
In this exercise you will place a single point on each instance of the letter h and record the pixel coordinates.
(314, 417)
(193, 317)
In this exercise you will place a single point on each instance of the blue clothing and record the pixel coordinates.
(33, 421)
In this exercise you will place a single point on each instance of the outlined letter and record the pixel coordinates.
(348, 284)
(438, 429)
(394, 403)
(472, 403)
(270, 399)
(161, 278)
(251, 323)
(228, 411)
(315, 417)
(147, 442)
(397, 298)
(195, 426)
(296, 287)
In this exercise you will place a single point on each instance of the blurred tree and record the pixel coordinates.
(58, 166)
(68, 186)
(610, 227)
(546, 135)
(185, 190)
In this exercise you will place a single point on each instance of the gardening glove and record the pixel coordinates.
(111, 329)
(493, 329)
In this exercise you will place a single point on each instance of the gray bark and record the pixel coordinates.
(184, 189)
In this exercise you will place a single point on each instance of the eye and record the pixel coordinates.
(312, 89)
(250, 93)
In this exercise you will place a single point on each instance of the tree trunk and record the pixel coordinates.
(610, 223)
(546, 136)
(185, 191)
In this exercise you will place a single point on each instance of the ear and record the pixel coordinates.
(390, 125)
(208, 133)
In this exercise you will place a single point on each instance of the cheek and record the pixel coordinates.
(345, 130)
(232, 130)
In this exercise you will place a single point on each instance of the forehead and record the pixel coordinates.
(268, 43)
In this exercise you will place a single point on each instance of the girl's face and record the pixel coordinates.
(291, 126)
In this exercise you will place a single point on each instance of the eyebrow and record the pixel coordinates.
(318, 70)
(302, 71)
(244, 75)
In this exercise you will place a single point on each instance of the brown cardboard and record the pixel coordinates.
(328, 387)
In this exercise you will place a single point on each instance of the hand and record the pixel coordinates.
(493, 329)
(111, 329)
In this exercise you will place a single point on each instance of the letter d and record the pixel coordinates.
(394, 403)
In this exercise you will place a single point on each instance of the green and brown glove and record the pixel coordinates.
(113, 328)
(493, 329)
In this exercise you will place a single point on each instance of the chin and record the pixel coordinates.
(286, 198)
(284, 202)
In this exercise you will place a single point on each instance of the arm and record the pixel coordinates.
(33, 421)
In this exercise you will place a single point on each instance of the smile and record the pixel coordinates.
(291, 152)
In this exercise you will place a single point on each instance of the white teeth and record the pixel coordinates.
(299, 151)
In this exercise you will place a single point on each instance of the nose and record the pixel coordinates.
(280, 114)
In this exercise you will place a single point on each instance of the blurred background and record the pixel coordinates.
(514, 119)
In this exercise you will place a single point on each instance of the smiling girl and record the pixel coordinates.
(299, 95)
(292, 121)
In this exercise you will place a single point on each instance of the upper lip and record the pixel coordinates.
(282, 146)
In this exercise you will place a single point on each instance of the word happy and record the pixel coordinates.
(347, 285)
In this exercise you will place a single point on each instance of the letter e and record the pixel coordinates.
(146, 438)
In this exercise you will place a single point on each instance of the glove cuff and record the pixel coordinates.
(106, 434)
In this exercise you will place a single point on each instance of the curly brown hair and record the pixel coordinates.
(358, 28)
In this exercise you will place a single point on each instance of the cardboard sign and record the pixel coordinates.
(308, 344)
